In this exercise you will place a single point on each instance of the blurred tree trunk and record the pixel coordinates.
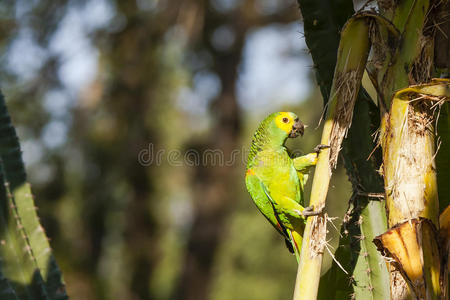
(120, 191)
(214, 193)
(212, 184)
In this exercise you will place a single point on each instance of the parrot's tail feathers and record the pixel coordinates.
(296, 242)
(289, 245)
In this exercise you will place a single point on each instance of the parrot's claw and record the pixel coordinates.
(308, 211)
(320, 147)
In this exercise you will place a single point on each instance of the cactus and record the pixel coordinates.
(371, 279)
(365, 219)
(28, 268)
(368, 277)
(442, 157)
(412, 189)
(367, 214)
(401, 43)
(323, 20)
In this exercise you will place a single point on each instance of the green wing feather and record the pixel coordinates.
(263, 202)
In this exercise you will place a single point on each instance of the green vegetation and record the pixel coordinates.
(399, 57)
(93, 85)
(28, 268)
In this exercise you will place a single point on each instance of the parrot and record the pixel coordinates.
(275, 181)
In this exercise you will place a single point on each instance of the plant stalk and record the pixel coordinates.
(352, 57)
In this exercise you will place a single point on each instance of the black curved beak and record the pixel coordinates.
(297, 129)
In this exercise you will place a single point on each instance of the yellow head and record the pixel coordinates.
(289, 123)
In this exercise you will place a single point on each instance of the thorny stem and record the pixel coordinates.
(352, 57)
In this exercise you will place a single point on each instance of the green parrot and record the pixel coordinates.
(276, 181)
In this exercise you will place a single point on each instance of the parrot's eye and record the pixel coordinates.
(285, 120)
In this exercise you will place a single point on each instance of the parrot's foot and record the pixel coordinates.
(320, 147)
(308, 211)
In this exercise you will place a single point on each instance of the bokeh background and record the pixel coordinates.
(92, 85)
